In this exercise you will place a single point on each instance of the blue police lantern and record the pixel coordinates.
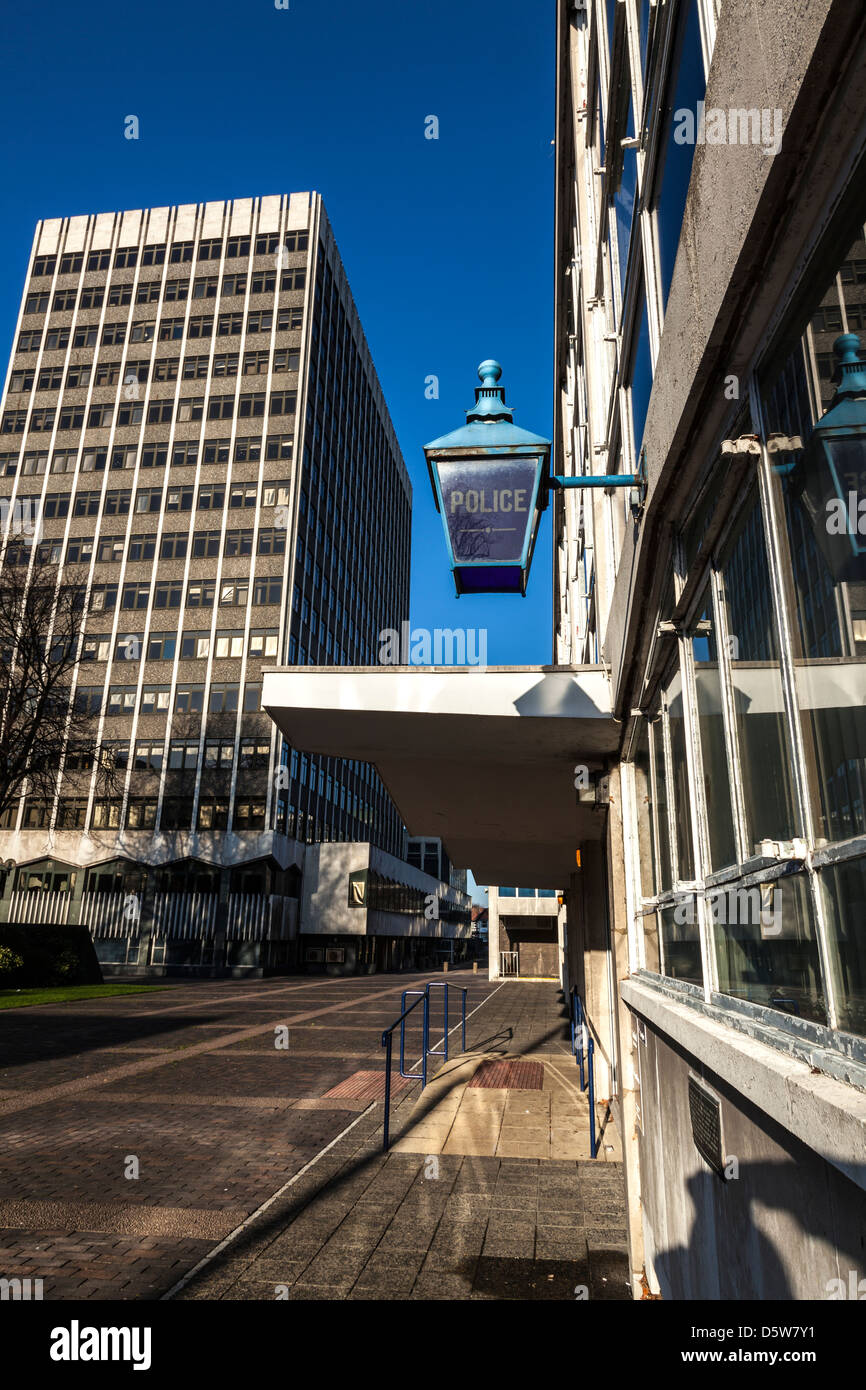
(489, 481)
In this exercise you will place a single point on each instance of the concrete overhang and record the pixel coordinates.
(482, 758)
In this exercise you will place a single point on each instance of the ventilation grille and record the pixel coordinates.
(706, 1116)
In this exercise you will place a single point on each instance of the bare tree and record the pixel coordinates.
(44, 728)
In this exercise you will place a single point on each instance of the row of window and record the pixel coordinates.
(227, 326)
(185, 453)
(158, 699)
(233, 593)
(527, 892)
(254, 363)
(330, 651)
(248, 814)
(188, 646)
(309, 614)
(187, 755)
(175, 291)
(174, 545)
(118, 501)
(249, 405)
(180, 252)
(213, 814)
(307, 771)
(312, 829)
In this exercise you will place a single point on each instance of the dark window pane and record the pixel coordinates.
(681, 942)
(846, 902)
(685, 90)
(717, 790)
(664, 852)
(766, 947)
(762, 731)
(673, 700)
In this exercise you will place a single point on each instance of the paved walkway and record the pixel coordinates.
(144, 1136)
(488, 1191)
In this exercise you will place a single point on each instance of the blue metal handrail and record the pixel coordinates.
(388, 1044)
(579, 1032)
(409, 1076)
(426, 1049)
(443, 1051)
(590, 1047)
(444, 984)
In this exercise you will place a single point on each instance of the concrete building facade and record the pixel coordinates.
(709, 251)
(193, 424)
(363, 911)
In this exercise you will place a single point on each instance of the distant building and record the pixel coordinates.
(193, 416)
(364, 910)
(431, 856)
(525, 933)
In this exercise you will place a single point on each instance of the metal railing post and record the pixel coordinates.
(578, 1028)
(425, 1037)
(386, 1041)
(403, 1031)
(402, 1021)
(591, 1051)
(464, 1020)
(443, 1051)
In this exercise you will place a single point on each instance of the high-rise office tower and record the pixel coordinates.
(193, 417)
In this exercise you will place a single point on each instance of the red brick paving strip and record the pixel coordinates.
(509, 1075)
(366, 1085)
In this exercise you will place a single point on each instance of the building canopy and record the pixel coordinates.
(485, 759)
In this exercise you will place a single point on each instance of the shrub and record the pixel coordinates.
(66, 966)
(10, 963)
(49, 955)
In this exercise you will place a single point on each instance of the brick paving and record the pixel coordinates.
(190, 1083)
(229, 1131)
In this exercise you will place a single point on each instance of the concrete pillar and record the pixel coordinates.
(493, 933)
(221, 925)
(627, 1098)
(562, 943)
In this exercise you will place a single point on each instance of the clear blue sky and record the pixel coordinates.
(448, 244)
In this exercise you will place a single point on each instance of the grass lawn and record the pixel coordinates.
(63, 994)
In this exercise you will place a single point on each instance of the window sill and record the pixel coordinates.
(769, 1068)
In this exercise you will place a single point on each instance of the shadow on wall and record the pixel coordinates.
(733, 1256)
